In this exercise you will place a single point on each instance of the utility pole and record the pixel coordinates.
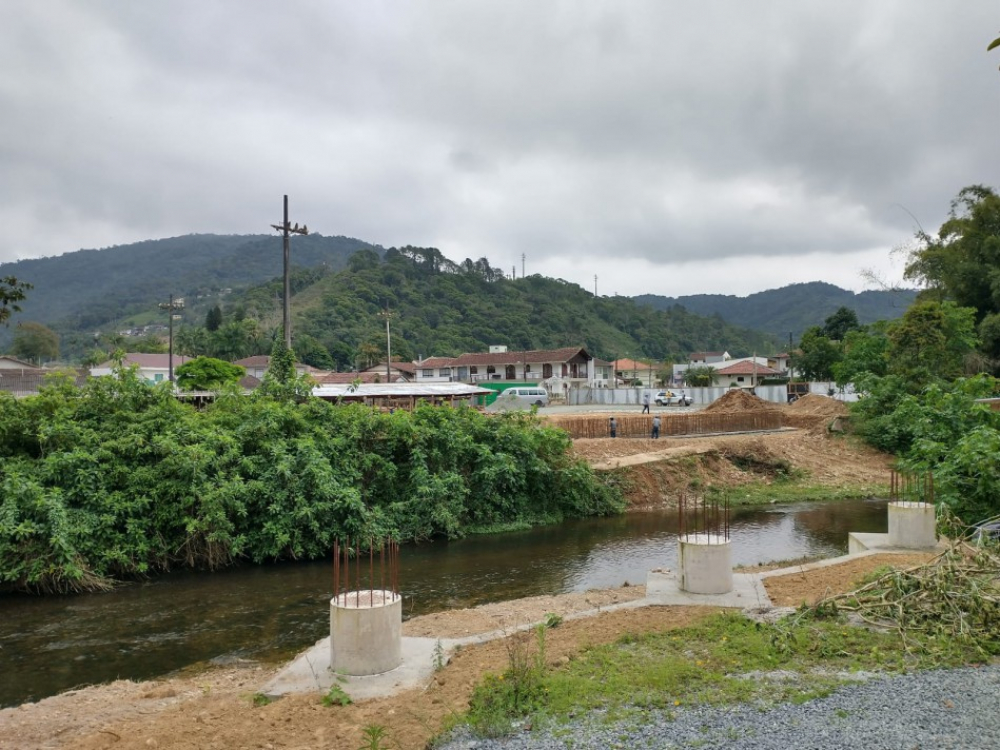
(287, 229)
(388, 342)
(522, 265)
(595, 284)
(173, 304)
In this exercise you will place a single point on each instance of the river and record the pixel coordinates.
(268, 613)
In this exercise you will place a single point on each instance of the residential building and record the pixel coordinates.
(570, 365)
(153, 368)
(631, 371)
(744, 373)
(258, 364)
(398, 372)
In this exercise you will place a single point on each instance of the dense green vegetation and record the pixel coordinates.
(119, 479)
(445, 308)
(791, 309)
(921, 375)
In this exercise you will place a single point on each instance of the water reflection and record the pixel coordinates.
(270, 612)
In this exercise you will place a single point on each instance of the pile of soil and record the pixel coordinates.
(738, 400)
(820, 406)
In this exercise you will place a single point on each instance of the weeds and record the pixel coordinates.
(375, 735)
(336, 696)
(520, 690)
(259, 699)
(438, 657)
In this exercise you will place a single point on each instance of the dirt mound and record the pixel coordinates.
(738, 400)
(819, 406)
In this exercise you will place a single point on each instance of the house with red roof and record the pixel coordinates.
(744, 373)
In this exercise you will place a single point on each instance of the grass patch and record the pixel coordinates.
(725, 659)
(795, 491)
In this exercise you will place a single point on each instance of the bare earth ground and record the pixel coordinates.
(214, 709)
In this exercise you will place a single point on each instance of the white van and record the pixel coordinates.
(524, 396)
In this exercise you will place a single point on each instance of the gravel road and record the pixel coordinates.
(930, 710)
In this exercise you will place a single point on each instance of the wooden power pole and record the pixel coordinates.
(286, 230)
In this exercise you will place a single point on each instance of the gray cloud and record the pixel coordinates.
(663, 146)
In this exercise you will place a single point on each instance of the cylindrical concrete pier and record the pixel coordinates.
(706, 564)
(366, 632)
(911, 525)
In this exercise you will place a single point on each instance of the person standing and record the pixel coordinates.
(645, 403)
(656, 427)
(613, 427)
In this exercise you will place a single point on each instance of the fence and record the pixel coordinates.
(633, 396)
(641, 425)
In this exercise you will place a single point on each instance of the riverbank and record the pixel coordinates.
(215, 708)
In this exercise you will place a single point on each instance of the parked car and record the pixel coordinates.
(669, 398)
(522, 396)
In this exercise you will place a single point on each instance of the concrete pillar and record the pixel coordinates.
(911, 525)
(366, 632)
(706, 564)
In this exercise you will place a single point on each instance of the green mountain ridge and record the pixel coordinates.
(439, 307)
(791, 309)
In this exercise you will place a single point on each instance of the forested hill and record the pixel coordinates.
(792, 308)
(443, 308)
(88, 289)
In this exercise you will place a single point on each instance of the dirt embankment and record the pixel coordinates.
(659, 471)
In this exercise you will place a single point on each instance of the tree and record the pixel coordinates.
(149, 344)
(837, 325)
(12, 291)
(962, 263)
(931, 341)
(817, 355)
(207, 374)
(698, 377)
(35, 342)
(864, 351)
(213, 318)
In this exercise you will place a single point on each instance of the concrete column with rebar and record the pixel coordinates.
(705, 563)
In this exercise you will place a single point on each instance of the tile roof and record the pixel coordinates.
(746, 368)
(705, 355)
(346, 378)
(531, 357)
(627, 365)
(435, 362)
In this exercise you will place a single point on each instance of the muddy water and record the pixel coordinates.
(268, 613)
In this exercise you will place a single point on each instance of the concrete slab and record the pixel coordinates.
(859, 542)
(663, 587)
(310, 671)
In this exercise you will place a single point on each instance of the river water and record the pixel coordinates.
(268, 613)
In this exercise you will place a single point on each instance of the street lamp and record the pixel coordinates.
(170, 307)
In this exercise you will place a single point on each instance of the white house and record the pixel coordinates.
(153, 368)
(744, 373)
(571, 364)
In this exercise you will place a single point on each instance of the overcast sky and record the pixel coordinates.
(665, 147)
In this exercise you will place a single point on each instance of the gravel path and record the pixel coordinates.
(930, 710)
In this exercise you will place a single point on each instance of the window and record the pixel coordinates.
(473, 370)
(445, 371)
(158, 377)
(427, 373)
(547, 371)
